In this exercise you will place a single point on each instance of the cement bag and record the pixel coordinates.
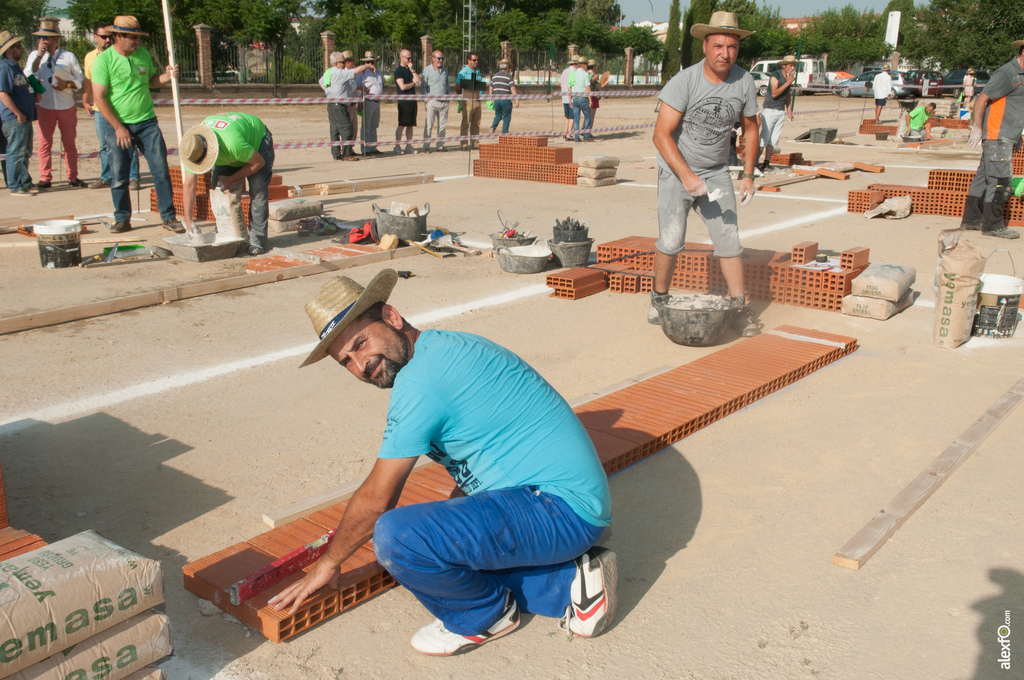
(599, 162)
(66, 592)
(295, 209)
(876, 308)
(115, 654)
(957, 276)
(886, 281)
(148, 673)
(227, 211)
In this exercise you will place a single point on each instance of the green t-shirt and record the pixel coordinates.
(238, 136)
(127, 81)
(918, 117)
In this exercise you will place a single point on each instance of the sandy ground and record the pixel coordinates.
(172, 429)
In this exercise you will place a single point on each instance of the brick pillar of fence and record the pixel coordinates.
(629, 67)
(894, 61)
(574, 50)
(506, 51)
(327, 38)
(427, 47)
(204, 57)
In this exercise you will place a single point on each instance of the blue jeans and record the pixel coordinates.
(146, 138)
(101, 134)
(580, 105)
(19, 148)
(458, 556)
(503, 113)
(259, 191)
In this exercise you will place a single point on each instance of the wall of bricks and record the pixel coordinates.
(526, 158)
(625, 426)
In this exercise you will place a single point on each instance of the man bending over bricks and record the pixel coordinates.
(236, 147)
(692, 136)
(532, 497)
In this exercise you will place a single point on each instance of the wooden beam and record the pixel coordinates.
(788, 180)
(57, 316)
(84, 242)
(868, 540)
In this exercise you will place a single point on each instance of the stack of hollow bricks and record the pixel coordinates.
(945, 195)
(14, 542)
(526, 158)
(767, 274)
(203, 210)
(626, 426)
(573, 284)
(777, 158)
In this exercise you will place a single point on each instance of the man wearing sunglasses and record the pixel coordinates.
(435, 81)
(104, 39)
(470, 79)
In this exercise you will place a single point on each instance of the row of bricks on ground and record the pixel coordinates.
(927, 201)
(625, 426)
(533, 172)
(203, 211)
(328, 254)
(556, 155)
(959, 181)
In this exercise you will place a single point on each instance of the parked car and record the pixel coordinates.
(761, 82)
(917, 77)
(954, 81)
(860, 86)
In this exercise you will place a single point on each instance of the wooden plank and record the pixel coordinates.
(868, 540)
(788, 180)
(867, 167)
(324, 499)
(85, 242)
(57, 316)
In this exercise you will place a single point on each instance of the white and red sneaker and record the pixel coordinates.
(592, 594)
(436, 640)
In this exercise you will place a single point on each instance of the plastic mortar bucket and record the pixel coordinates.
(59, 243)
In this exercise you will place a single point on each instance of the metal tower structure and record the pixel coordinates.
(468, 28)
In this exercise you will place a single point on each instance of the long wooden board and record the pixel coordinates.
(868, 540)
(158, 297)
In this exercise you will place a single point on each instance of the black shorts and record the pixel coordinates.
(407, 113)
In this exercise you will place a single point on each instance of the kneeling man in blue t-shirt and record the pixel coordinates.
(532, 497)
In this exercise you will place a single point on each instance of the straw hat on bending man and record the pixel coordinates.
(235, 147)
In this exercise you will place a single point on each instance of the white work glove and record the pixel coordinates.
(975, 138)
(745, 197)
(696, 187)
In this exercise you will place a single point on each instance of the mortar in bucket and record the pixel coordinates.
(998, 302)
(696, 320)
(59, 243)
(572, 253)
(404, 227)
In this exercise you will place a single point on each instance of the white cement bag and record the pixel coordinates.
(61, 594)
(295, 209)
(595, 173)
(148, 673)
(886, 281)
(599, 162)
(115, 654)
(279, 227)
(874, 307)
(957, 277)
(227, 211)
(588, 182)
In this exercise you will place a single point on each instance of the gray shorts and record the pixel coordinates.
(771, 127)
(674, 204)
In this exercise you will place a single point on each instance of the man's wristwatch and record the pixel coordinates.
(748, 174)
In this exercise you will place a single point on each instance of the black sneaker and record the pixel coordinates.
(592, 594)
(1005, 232)
(78, 183)
(175, 226)
(745, 322)
(120, 227)
(255, 251)
(42, 186)
(134, 185)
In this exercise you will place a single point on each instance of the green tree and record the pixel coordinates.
(770, 37)
(847, 35)
(21, 17)
(643, 42)
(607, 12)
(686, 44)
(700, 13)
(959, 34)
(670, 65)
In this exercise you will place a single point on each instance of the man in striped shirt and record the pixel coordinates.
(502, 84)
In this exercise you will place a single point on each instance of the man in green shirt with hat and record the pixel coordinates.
(235, 146)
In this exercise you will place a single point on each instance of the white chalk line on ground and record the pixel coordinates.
(759, 195)
(77, 407)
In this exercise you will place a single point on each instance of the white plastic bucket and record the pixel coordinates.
(59, 243)
(998, 302)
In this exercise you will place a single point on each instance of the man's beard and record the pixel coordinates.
(401, 353)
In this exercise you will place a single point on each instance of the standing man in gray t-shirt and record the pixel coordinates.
(434, 80)
(692, 136)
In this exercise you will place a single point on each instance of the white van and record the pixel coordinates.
(810, 72)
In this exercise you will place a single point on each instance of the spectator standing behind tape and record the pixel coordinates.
(998, 122)
(563, 83)
(406, 81)
(969, 82)
(60, 74)
(435, 81)
(777, 106)
(103, 38)
(371, 83)
(234, 147)
(470, 78)
(501, 83)
(122, 78)
(579, 87)
(339, 82)
(595, 85)
(17, 111)
(881, 86)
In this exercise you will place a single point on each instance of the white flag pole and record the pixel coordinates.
(170, 59)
